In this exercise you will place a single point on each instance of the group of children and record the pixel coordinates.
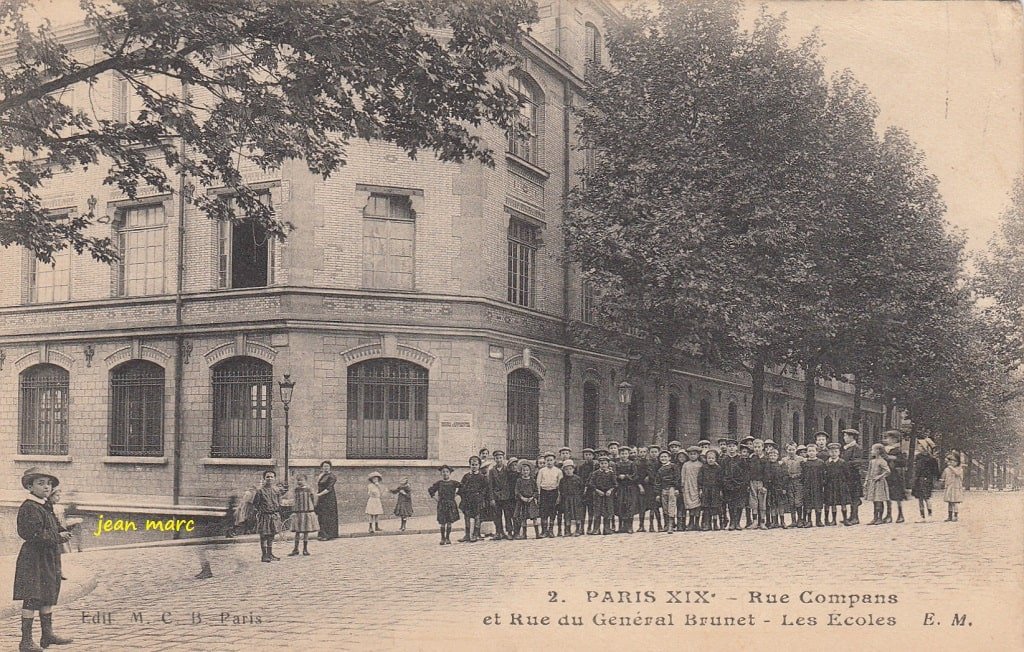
(737, 485)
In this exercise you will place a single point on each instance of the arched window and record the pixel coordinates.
(242, 391)
(777, 426)
(705, 419)
(842, 425)
(673, 417)
(635, 420)
(796, 428)
(593, 45)
(591, 414)
(828, 426)
(734, 419)
(523, 414)
(137, 409)
(387, 410)
(524, 136)
(43, 424)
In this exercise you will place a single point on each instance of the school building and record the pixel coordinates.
(420, 308)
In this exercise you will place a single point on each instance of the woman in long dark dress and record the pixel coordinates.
(326, 503)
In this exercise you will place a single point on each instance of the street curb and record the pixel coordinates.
(244, 538)
(80, 590)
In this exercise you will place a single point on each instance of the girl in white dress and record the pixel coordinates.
(953, 479)
(374, 508)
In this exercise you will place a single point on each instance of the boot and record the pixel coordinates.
(295, 550)
(305, 548)
(263, 547)
(27, 644)
(465, 537)
(49, 638)
(817, 518)
(536, 532)
(205, 572)
(899, 519)
(270, 551)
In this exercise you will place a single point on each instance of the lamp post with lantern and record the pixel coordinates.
(287, 386)
(625, 398)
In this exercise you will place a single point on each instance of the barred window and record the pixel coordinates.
(389, 242)
(524, 136)
(591, 414)
(777, 426)
(523, 239)
(387, 410)
(523, 417)
(245, 252)
(734, 419)
(673, 417)
(593, 45)
(587, 310)
(137, 409)
(705, 419)
(242, 396)
(43, 426)
(141, 245)
(842, 425)
(50, 282)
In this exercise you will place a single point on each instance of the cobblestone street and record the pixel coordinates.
(407, 592)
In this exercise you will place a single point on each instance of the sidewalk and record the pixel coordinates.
(81, 581)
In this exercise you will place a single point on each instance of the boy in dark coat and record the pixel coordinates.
(587, 467)
(896, 479)
(499, 488)
(37, 572)
(473, 489)
(602, 485)
(813, 480)
(837, 488)
(735, 483)
(854, 456)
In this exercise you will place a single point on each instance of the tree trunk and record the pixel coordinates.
(810, 419)
(968, 467)
(988, 472)
(886, 412)
(857, 391)
(757, 399)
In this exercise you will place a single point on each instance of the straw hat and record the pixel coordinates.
(34, 472)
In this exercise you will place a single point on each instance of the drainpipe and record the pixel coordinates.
(179, 338)
(566, 170)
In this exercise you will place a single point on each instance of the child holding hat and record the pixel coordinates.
(37, 571)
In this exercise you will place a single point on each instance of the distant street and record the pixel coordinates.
(407, 592)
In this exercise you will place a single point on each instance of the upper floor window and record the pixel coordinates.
(587, 309)
(141, 242)
(50, 282)
(593, 45)
(389, 242)
(524, 137)
(124, 102)
(43, 424)
(523, 239)
(245, 253)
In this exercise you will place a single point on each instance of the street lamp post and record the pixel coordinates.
(287, 386)
(625, 398)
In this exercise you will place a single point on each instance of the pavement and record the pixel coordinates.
(945, 585)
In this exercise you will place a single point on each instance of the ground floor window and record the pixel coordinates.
(523, 418)
(242, 391)
(43, 425)
(137, 409)
(387, 410)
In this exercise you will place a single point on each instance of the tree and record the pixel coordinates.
(252, 82)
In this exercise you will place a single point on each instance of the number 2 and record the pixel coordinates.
(553, 596)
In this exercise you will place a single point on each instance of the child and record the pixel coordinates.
(793, 464)
(570, 497)
(689, 486)
(447, 511)
(473, 490)
(853, 454)
(586, 468)
(709, 480)
(500, 481)
(628, 492)
(813, 480)
(245, 515)
(305, 520)
(836, 481)
(776, 477)
(37, 572)
(403, 502)
(374, 508)
(527, 509)
(603, 483)
(926, 472)
(735, 483)
(953, 478)
(666, 483)
(645, 485)
(564, 453)
(548, 478)
(267, 503)
(897, 461)
(876, 488)
(652, 495)
(758, 494)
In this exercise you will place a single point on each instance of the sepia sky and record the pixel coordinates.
(949, 72)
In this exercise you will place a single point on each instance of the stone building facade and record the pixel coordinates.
(421, 309)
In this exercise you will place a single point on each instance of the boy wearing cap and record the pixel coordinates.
(821, 443)
(652, 495)
(666, 483)
(813, 479)
(570, 498)
(587, 467)
(548, 477)
(602, 484)
(794, 497)
(689, 487)
(710, 483)
(705, 446)
(646, 486)
(853, 454)
(564, 453)
(500, 495)
(758, 492)
(628, 491)
(735, 483)
(37, 573)
(836, 485)
(473, 490)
